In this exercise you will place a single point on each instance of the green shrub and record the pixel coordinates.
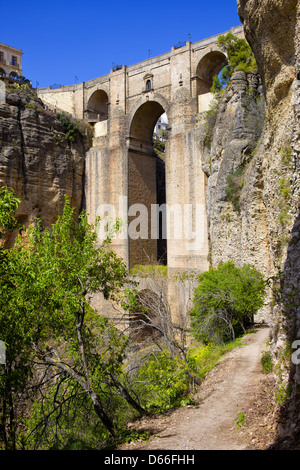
(147, 270)
(225, 300)
(255, 117)
(285, 188)
(203, 358)
(235, 182)
(216, 85)
(210, 122)
(266, 362)
(70, 127)
(240, 420)
(164, 382)
(287, 157)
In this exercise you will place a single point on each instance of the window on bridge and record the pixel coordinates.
(148, 85)
(146, 185)
(97, 107)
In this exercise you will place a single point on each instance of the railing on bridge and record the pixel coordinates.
(116, 67)
(179, 45)
(13, 76)
(94, 116)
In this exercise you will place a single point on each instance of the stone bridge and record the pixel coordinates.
(163, 199)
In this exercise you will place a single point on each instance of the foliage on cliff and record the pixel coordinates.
(240, 57)
(8, 204)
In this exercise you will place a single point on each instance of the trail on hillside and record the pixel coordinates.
(228, 390)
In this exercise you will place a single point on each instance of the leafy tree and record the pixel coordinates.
(224, 298)
(8, 205)
(70, 127)
(13, 330)
(217, 84)
(240, 57)
(72, 268)
(52, 334)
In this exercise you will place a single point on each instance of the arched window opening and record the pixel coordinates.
(148, 85)
(97, 107)
(13, 75)
(209, 66)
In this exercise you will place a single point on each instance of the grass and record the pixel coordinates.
(240, 420)
(235, 182)
(266, 362)
(149, 270)
(204, 357)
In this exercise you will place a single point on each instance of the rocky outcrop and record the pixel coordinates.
(36, 159)
(238, 219)
(270, 29)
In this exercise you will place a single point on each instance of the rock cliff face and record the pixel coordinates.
(238, 228)
(253, 191)
(36, 160)
(270, 28)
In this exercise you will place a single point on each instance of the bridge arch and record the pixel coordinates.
(151, 97)
(209, 66)
(97, 108)
(144, 120)
(146, 185)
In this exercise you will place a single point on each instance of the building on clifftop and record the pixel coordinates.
(10, 61)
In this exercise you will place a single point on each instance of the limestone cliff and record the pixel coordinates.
(253, 191)
(36, 160)
(238, 227)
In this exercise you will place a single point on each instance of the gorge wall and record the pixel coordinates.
(36, 159)
(272, 29)
(255, 143)
(252, 164)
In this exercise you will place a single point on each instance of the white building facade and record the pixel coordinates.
(10, 61)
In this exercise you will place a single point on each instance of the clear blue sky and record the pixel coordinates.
(65, 39)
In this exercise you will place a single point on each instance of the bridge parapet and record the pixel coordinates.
(164, 74)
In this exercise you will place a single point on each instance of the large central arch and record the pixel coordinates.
(146, 187)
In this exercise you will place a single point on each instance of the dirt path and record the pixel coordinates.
(228, 390)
